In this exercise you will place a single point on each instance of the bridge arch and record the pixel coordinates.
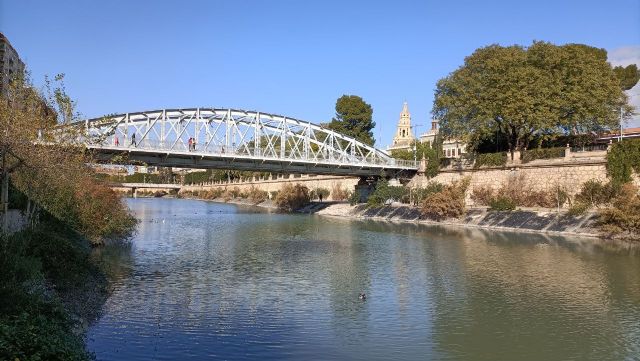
(234, 139)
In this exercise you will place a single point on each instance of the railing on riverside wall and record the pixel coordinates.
(578, 156)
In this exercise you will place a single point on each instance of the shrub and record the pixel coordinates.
(384, 192)
(622, 160)
(256, 195)
(578, 208)
(322, 193)
(292, 197)
(234, 192)
(502, 203)
(448, 203)
(490, 160)
(595, 193)
(354, 198)
(419, 194)
(623, 217)
(542, 153)
(482, 195)
(274, 194)
(338, 193)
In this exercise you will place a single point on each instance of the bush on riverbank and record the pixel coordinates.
(256, 195)
(419, 194)
(338, 193)
(292, 197)
(516, 191)
(622, 218)
(622, 160)
(384, 193)
(46, 282)
(448, 203)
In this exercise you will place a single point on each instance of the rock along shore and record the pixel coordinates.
(530, 221)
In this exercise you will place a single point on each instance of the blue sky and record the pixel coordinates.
(293, 58)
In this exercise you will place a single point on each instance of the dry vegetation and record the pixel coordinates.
(517, 192)
(292, 197)
(449, 202)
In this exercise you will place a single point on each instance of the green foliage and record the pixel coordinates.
(622, 160)
(320, 193)
(502, 203)
(384, 192)
(354, 118)
(448, 203)
(578, 209)
(542, 153)
(354, 198)
(520, 93)
(628, 76)
(595, 193)
(292, 197)
(419, 194)
(431, 155)
(34, 325)
(490, 160)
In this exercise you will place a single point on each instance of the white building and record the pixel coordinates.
(451, 148)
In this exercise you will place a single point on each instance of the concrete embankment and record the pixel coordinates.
(535, 221)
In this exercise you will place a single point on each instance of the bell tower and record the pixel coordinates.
(404, 135)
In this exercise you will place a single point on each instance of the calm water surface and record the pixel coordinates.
(215, 281)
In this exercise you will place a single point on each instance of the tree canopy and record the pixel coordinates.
(354, 118)
(422, 149)
(628, 75)
(521, 93)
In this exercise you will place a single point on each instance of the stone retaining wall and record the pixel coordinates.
(540, 177)
(272, 185)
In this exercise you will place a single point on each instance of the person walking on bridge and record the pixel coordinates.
(190, 143)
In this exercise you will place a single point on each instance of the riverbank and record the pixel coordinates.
(50, 291)
(529, 221)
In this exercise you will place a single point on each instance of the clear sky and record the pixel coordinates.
(293, 58)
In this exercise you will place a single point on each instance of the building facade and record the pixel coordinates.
(451, 148)
(404, 137)
(10, 64)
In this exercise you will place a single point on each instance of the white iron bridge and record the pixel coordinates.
(234, 139)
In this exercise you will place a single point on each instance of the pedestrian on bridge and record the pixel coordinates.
(190, 144)
(133, 139)
(117, 141)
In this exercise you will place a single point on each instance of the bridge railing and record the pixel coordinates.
(234, 151)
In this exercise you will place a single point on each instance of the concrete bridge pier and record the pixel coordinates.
(364, 188)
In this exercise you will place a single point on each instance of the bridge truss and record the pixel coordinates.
(234, 139)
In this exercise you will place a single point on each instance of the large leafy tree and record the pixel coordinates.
(354, 118)
(524, 93)
(628, 76)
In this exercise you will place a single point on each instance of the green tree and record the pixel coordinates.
(431, 154)
(628, 75)
(542, 91)
(354, 118)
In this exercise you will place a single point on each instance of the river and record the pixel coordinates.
(204, 280)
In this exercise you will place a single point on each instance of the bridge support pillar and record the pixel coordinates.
(363, 189)
(134, 192)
